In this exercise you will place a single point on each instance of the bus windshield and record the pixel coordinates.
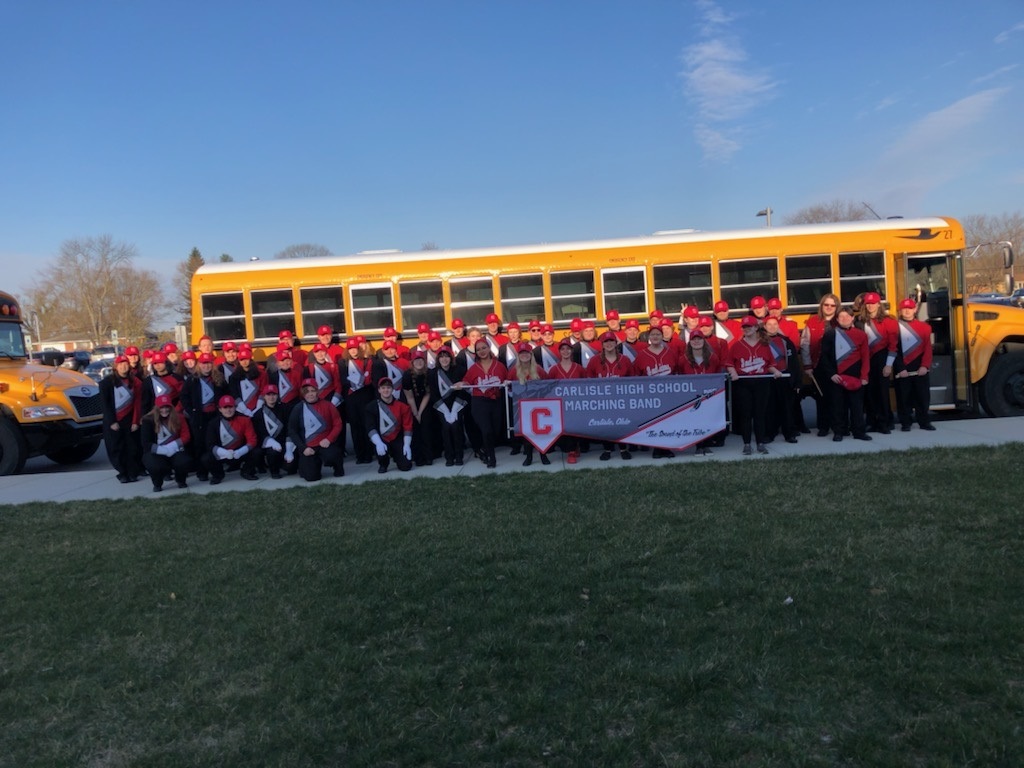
(12, 342)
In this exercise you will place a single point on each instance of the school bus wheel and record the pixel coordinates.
(1003, 387)
(13, 449)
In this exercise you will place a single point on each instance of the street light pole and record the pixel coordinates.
(767, 213)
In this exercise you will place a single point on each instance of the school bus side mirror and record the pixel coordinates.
(1007, 255)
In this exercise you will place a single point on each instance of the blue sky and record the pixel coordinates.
(246, 127)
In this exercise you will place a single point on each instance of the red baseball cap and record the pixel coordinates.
(434, 336)
(318, 347)
(632, 323)
(418, 354)
(352, 344)
(872, 298)
(493, 318)
(523, 347)
(611, 314)
(691, 311)
(457, 323)
(188, 354)
(245, 354)
(163, 401)
(308, 383)
(609, 336)
(270, 389)
(547, 328)
(389, 331)
(283, 354)
(132, 351)
(423, 328)
(226, 401)
(285, 334)
(576, 324)
(757, 302)
(721, 306)
(158, 357)
(324, 330)
(512, 325)
(749, 321)
(705, 322)
(229, 346)
(908, 304)
(170, 347)
(388, 344)
(774, 303)
(205, 357)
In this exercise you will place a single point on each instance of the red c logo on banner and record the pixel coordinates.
(540, 421)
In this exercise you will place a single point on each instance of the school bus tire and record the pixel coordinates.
(13, 448)
(75, 454)
(1003, 387)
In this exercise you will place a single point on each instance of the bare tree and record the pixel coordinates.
(985, 269)
(833, 211)
(303, 251)
(183, 284)
(430, 245)
(226, 257)
(92, 288)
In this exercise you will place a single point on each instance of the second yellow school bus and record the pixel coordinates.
(978, 349)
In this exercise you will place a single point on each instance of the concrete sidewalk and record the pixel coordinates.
(99, 482)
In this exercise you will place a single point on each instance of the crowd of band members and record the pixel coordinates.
(169, 413)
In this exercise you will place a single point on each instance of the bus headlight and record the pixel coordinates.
(42, 412)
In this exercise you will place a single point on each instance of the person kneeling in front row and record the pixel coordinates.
(389, 425)
(314, 428)
(230, 439)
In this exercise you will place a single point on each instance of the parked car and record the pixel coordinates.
(77, 360)
(106, 353)
(1015, 299)
(98, 370)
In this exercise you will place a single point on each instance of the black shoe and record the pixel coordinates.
(492, 463)
(450, 463)
(182, 484)
(275, 474)
(791, 439)
(216, 480)
(516, 451)
(381, 470)
(905, 428)
(339, 472)
(762, 448)
(928, 427)
(157, 488)
(605, 455)
(804, 431)
(202, 478)
(364, 461)
(135, 478)
(884, 431)
(837, 438)
(746, 449)
(822, 433)
(862, 437)
(249, 476)
(625, 455)
(528, 461)
(458, 462)
(122, 478)
(544, 459)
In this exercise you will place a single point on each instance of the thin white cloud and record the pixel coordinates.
(721, 83)
(1003, 37)
(885, 103)
(932, 152)
(994, 74)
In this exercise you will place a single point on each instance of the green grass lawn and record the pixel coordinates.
(854, 610)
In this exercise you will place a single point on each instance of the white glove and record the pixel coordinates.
(240, 452)
(272, 444)
(221, 453)
(336, 400)
(407, 447)
(289, 451)
(379, 444)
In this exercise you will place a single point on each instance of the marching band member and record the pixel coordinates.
(846, 361)
(274, 450)
(613, 323)
(230, 439)
(449, 403)
(199, 397)
(164, 437)
(611, 362)
(426, 435)
(657, 359)
(810, 353)
(700, 358)
(357, 376)
(783, 392)
(163, 381)
(120, 398)
(726, 328)
(314, 427)
(912, 366)
(546, 354)
(524, 370)
(246, 383)
(749, 360)
(487, 398)
(389, 428)
(325, 336)
(883, 334)
(322, 369)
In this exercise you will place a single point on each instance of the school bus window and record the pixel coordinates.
(678, 284)
(522, 297)
(572, 295)
(860, 273)
(808, 278)
(272, 312)
(472, 299)
(223, 316)
(625, 290)
(421, 302)
(742, 280)
(372, 307)
(322, 306)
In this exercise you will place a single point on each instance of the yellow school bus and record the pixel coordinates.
(978, 349)
(44, 411)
